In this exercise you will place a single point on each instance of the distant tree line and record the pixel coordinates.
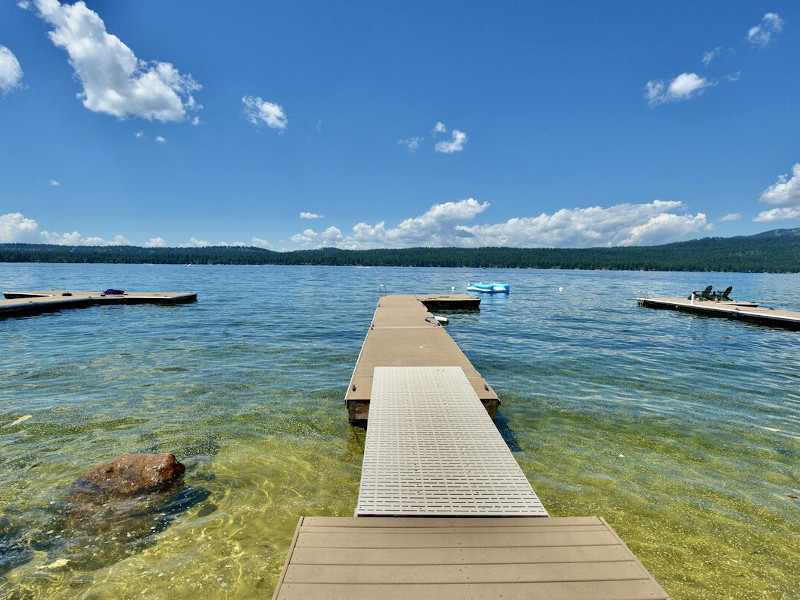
(762, 253)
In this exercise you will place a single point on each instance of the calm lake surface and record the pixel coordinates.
(682, 431)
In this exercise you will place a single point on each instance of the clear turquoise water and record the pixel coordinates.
(682, 431)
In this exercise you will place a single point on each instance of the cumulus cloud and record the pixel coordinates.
(139, 134)
(330, 237)
(259, 243)
(15, 227)
(114, 80)
(156, 242)
(785, 194)
(788, 213)
(785, 191)
(261, 112)
(683, 87)
(10, 71)
(411, 143)
(455, 144)
(161, 139)
(197, 243)
(439, 128)
(761, 34)
(447, 225)
(730, 217)
(76, 239)
(54, 183)
(310, 215)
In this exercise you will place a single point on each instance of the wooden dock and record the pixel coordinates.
(34, 302)
(405, 558)
(742, 311)
(404, 333)
(444, 510)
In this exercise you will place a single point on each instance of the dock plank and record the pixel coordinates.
(404, 333)
(521, 564)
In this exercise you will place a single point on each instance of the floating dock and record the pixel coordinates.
(432, 449)
(742, 311)
(404, 333)
(444, 510)
(405, 558)
(30, 303)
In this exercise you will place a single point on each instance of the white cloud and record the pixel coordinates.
(196, 243)
(114, 81)
(711, 55)
(330, 237)
(196, 120)
(785, 194)
(411, 143)
(161, 139)
(54, 183)
(785, 191)
(139, 134)
(683, 87)
(310, 215)
(24, 4)
(456, 143)
(761, 34)
(10, 71)
(15, 227)
(447, 225)
(439, 128)
(730, 217)
(76, 239)
(156, 242)
(259, 243)
(261, 112)
(787, 213)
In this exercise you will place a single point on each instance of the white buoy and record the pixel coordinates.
(560, 289)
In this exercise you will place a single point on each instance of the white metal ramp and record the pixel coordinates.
(432, 450)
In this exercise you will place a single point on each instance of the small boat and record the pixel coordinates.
(489, 288)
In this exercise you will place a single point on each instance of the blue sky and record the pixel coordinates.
(392, 124)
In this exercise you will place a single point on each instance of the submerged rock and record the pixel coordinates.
(127, 476)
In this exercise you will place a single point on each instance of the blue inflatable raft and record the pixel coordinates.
(489, 288)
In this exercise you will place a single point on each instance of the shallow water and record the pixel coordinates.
(682, 431)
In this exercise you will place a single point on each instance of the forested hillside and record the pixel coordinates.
(775, 252)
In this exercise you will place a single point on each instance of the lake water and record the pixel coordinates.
(682, 431)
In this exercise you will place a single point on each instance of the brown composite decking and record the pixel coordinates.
(20, 303)
(745, 311)
(404, 333)
(413, 558)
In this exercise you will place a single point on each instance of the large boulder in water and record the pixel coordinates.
(128, 475)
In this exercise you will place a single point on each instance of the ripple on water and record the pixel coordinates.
(683, 432)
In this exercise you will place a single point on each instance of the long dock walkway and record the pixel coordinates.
(403, 333)
(743, 311)
(432, 449)
(34, 302)
(444, 510)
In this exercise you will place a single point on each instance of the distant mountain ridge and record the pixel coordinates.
(777, 232)
(776, 251)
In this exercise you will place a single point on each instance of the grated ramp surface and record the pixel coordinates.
(432, 450)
